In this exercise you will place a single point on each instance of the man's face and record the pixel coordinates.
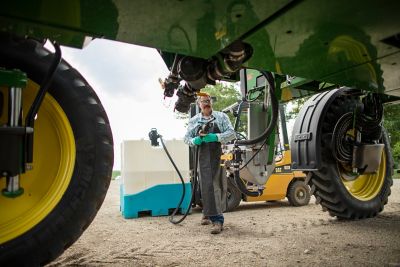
(205, 104)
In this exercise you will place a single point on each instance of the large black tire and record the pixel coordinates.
(91, 174)
(343, 199)
(298, 193)
(233, 196)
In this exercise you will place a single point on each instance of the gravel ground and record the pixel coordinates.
(257, 234)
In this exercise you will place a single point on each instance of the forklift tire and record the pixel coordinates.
(361, 198)
(72, 164)
(298, 193)
(233, 196)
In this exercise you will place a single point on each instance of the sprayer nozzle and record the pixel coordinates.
(153, 135)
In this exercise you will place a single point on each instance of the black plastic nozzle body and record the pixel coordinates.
(153, 135)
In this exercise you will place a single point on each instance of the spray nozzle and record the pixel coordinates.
(153, 135)
(205, 128)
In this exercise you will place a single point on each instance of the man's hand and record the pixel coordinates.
(197, 140)
(209, 138)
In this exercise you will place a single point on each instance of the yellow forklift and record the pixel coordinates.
(283, 183)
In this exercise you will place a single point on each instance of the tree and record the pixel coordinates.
(396, 154)
(392, 124)
(225, 94)
(295, 107)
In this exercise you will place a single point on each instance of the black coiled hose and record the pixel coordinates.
(343, 152)
(368, 122)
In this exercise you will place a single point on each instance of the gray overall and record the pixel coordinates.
(213, 183)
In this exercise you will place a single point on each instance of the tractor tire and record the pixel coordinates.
(298, 193)
(233, 196)
(361, 198)
(72, 164)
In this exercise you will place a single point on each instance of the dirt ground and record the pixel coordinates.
(256, 234)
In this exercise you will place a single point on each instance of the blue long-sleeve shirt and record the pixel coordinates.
(221, 119)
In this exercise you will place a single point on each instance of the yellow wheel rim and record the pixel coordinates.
(53, 165)
(366, 187)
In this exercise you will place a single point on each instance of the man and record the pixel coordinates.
(213, 183)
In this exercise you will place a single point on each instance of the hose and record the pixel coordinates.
(194, 184)
(342, 152)
(242, 188)
(30, 118)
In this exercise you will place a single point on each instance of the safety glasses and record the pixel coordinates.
(206, 101)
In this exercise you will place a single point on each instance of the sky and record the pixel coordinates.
(125, 77)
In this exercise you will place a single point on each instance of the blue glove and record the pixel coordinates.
(211, 137)
(197, 141)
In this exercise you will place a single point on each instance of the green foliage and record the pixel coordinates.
(226, 94)
(392, 124)
(396, 153)
(115, 174)
(296, 106)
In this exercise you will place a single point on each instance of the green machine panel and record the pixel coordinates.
(352, 43)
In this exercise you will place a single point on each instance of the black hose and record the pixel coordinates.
(242, 188)
(30, 118)
(274, 117)
(342, 150)
(171, 218)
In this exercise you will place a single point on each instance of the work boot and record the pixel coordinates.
(205, 220)
(217, 228)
